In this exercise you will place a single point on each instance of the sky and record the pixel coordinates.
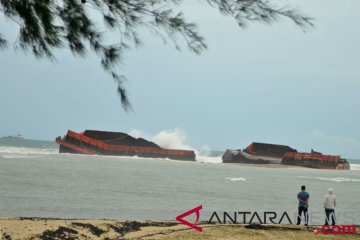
(267, 83)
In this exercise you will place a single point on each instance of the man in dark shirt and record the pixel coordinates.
(303, 198)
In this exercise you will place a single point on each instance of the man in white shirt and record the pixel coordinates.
(329, 205)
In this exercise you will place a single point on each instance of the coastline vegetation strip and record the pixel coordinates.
(73, 229)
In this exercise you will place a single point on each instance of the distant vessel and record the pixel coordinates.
(93, 142)
(264, 153)
(15, 136)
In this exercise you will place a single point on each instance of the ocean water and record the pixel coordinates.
(37, 181)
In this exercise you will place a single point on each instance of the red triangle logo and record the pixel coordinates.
(196, 210)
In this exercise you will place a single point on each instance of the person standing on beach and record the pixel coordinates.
(329, 205)
(303, 198)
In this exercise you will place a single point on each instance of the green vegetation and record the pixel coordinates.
(47, 25)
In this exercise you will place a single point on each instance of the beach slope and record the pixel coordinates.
(40, 228)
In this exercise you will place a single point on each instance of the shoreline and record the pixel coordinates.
(56, 228)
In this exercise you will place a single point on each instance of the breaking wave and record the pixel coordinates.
(166, 139)
(336, 179)
(205, 155)
(235, 179)
(175, 139)
(206, 159)
(354, 167)
(24, 152)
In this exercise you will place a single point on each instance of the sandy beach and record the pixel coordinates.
(41, 228)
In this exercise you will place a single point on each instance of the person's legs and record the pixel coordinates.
(327, 213)
(332, 213)
(306, 215)
(300, 210)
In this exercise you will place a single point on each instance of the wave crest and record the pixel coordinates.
(354, 167)
(14, 152)
(235, 179)
(336, 179)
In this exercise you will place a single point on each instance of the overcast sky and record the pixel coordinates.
(268, 83)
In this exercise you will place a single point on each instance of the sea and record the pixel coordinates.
(37, 181)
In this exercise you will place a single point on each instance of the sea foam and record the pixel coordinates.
(233, 179)
(13, 152)
(354, 167)
(335, 179)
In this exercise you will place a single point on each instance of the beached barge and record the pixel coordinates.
(257, 153)
(264, 153)
(315, 160)
(93, 142)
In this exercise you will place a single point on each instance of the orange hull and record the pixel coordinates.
(79, 143)
(315, 160)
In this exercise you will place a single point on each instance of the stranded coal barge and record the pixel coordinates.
(264, 153)
(315, 160)
(93, 142)
(257, 153)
